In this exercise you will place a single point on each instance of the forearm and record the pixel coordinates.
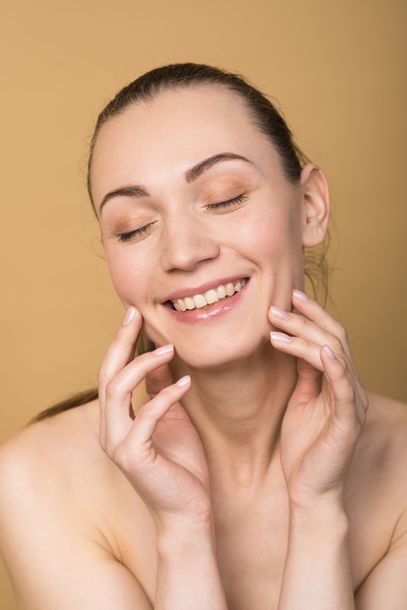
(317, 573)
(187, 572)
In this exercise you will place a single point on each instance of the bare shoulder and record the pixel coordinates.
(383, 450)
(60, 462)
(58, 547)
(49, 445)
(385, 431)
(58, 466)
(386, 426)
(387, 410)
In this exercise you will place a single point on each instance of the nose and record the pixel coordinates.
(186, 243)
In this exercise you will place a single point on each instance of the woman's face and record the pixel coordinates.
(150, 147)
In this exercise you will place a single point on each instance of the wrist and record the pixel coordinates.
(306, 502)
(185, 541)
(178, 531)
(323, 516)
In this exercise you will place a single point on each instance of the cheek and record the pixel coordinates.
(129, 278)
(269, 234)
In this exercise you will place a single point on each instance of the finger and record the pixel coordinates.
(310, 352)
(309, 380)
(300, 326)
(119, 390)
(299, 347)
(148, 416)
(122, 348)
(346, 402)
(120, 352)
(315, 312)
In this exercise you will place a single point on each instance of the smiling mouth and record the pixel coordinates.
(210, 299)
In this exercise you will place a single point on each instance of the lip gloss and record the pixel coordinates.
(220, 308)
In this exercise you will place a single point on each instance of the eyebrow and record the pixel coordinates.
(191, 174)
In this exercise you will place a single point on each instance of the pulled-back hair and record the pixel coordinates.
(263, 115)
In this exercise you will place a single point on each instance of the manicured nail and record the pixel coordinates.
(279, 313)
(280, 337)
(130, 315)
(329, 352)
(164, 349)
(301, 296)
(183, 380)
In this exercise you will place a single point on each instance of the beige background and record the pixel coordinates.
(337, 71)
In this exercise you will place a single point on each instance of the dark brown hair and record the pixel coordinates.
(265, 117)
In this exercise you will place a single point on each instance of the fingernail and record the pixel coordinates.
(280, 337)
(183, 380)
(164, 349)
(130, 314)
(301, 296)
(329, 352)
(279, 313)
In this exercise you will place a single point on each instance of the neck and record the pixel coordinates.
(237, 410)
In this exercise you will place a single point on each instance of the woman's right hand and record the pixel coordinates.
(159, 449)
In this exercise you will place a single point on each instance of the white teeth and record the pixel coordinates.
(221, 291)
(199, 300)
(230, 289)
(211, 296)
(189, 303)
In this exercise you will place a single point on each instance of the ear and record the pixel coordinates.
(315, 205)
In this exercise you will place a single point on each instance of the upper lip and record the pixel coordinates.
(202, 288)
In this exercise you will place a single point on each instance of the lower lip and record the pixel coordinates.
(215, 310)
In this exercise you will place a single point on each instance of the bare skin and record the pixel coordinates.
(281, 431)
(85, 491)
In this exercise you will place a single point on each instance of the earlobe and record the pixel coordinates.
(315, 205)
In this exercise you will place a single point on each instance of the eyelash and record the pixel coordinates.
(222, 204)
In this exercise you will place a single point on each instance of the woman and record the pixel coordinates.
(252, 470)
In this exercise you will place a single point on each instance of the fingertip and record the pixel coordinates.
(329, 353)
(131, 313)
(300, 296)
(183, 381)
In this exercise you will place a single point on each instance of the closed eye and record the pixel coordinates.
(222, 204)
(229, 202)
(130, 234)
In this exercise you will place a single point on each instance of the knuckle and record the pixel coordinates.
(349, 395)
(341, 332)
(302, 322)
(336, 345)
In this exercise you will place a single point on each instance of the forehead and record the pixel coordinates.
(154, 142)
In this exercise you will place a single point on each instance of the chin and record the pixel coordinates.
(215, 353)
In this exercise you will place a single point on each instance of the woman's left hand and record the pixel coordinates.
(327, 409)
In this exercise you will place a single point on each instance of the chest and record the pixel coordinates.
(251, 547)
